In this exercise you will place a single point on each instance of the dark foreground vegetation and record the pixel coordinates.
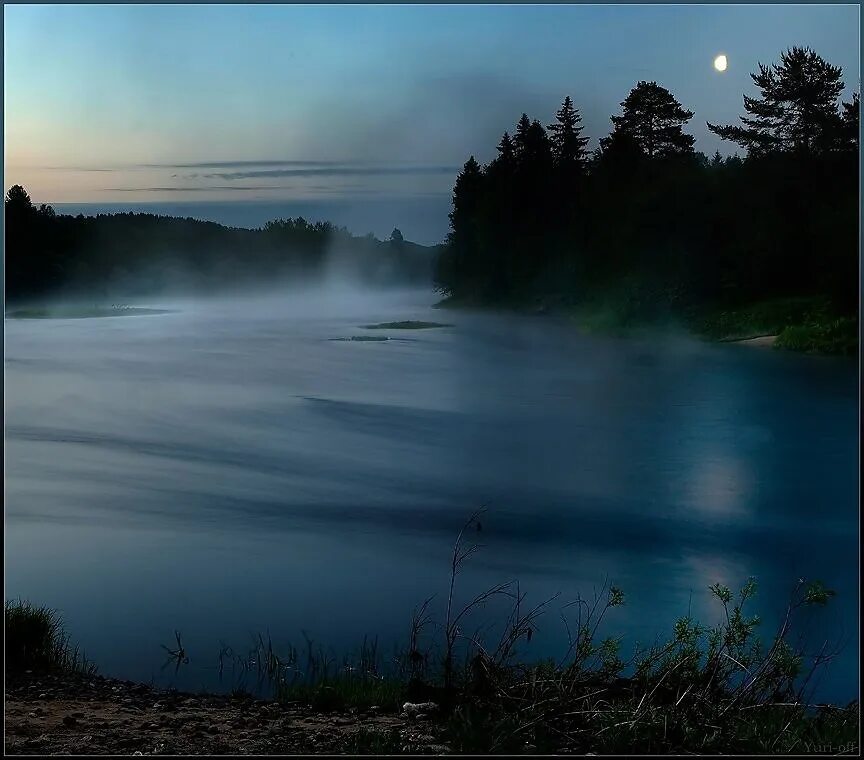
(474, 689)
(646, 230)
(51, 255)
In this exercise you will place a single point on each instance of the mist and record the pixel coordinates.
(240, 433)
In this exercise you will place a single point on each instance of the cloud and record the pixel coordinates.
(76, 169)
(318, 189)
(185, 189)
(237, 164)
(336, 171)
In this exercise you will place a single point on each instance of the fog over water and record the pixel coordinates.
(230, 468)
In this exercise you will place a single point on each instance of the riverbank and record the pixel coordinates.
(807, 325)
(74, 713)
(705, 690)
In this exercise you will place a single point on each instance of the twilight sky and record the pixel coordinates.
(269, 103)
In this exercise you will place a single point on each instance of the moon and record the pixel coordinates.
(720, 62)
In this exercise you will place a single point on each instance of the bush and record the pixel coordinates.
(36, 640)
(836, 336)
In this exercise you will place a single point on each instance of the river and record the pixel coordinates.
(230, 469)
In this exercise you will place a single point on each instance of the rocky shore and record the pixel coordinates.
(49, 713)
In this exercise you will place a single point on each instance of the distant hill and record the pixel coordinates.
(131, 253)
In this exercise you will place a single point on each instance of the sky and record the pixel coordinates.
(341, 104)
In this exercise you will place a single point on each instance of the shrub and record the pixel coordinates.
(36, 640)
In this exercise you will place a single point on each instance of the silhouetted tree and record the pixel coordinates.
(17, 202)
(679, 228)
(396, 236)
(47, 253)
(506, 152)
(568, 146)
(654, 120)
(849, 137)
(458, 264)
(620, 152)
(797, 110)
(520, 136)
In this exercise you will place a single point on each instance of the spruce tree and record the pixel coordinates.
(521, 135)
(568, 146)
(506, 150)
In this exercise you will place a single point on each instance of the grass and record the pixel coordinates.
(83, 312)
(406, 325)
(833, 336)
(36, 640)
(704, 689)
(707, 689)
(809, 324)
(315, 677)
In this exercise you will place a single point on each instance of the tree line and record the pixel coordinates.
(549, 218)
(49, 254)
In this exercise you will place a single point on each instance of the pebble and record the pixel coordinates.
(411, 709)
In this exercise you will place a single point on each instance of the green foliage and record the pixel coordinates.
(816, 593)
(35, 640)
(707, 689)
(769, 317)
(837, 336)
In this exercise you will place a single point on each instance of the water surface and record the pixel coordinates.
(230, 468)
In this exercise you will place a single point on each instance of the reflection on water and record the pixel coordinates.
(230, 469)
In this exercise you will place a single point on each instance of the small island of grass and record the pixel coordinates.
(409, 324)
(364, 338)
(84, 312)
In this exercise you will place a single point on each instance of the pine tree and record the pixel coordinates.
(654, 120)
(568, 146)
(797, 110)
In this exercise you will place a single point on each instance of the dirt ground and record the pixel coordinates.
(54, 714)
